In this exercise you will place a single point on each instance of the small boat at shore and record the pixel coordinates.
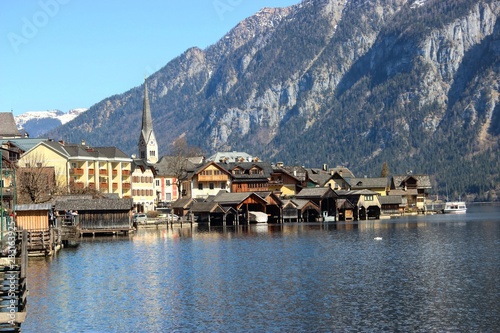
(455, 207)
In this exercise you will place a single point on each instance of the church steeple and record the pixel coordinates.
(148, 147)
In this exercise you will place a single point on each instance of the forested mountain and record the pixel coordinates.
(353, 83)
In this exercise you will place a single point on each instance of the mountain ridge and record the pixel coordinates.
(353, 83)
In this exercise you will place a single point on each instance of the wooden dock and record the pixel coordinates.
(13, 287)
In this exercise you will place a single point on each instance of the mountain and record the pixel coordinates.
(353, 83)
(37, 123)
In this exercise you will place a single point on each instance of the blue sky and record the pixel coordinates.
(64, 54)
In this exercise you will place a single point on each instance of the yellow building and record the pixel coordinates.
(106, 169)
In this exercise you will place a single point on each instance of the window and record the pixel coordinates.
(223, 185)
(167, 182)
(200, 186)
(368, 197)
(211, 186)
(157, 182)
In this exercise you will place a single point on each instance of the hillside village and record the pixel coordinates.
(226, 187)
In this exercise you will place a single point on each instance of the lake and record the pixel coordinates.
(438, 273)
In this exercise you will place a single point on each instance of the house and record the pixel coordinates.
(284, 183)
(143, 186)
(79, 166)
(249, 176)
(7, 179)
(379, 185)
(167, 171)
(209, 179)
(414, 188)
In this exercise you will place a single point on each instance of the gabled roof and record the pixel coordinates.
(183, 203)
(298, 172)
(230, 157)
(362, 183)
(206, 207)
(342, 171)
(225, 198)
(32, 207)
(301, 204)
(390, 200)
(206, 165)
(94, 204)
(26, 144)
(266, 168)
(315, 192)
(138, 163)
(320, 178)
(8, 127)
(423, 181)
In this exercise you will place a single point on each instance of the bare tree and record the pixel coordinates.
(179, 163)
(36, 182)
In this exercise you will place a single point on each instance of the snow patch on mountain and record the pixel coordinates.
(39, 122)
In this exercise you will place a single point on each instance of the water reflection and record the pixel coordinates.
(427, 273)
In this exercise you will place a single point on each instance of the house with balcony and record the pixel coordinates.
(249, 176)
(414, 189)
(79, 166)
(209, 179)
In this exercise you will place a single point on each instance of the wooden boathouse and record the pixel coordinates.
(43, 239)
(99, 216)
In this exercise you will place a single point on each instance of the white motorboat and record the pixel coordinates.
(455, 207)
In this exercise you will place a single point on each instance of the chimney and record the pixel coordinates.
(83, 142)
(325, 167)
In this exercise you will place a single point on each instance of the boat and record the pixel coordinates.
(455, 207)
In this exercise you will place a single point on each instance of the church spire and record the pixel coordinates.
(148, 147)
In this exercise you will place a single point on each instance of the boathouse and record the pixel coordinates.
(323, 197)
(299, 210)
(42, 236)
(104, 215)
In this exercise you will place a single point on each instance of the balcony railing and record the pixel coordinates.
(126, 186)
(77, 171)
(114, 186)
(103, 172)
(91, 172)
(125, 173)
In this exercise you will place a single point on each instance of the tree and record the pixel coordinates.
(384, 173)
(36, 182)
(178, 163)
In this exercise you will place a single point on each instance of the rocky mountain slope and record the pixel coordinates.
(353, 83)
(37, 123)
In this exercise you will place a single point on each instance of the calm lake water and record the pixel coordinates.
(436, 273)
